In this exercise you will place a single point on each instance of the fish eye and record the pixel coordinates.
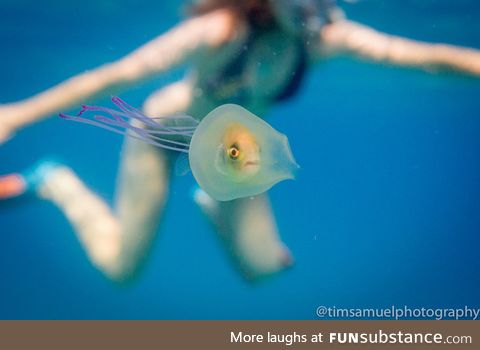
(234, 152)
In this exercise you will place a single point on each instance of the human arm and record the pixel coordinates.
(159, 55)
(351, 38)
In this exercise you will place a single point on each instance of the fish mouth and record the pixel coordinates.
(251, 163)
(251, 167)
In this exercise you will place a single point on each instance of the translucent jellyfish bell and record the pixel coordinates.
(232, 152)
(235, 154)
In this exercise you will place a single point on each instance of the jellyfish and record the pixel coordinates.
(231, 152)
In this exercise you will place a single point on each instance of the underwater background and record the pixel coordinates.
(385, 210)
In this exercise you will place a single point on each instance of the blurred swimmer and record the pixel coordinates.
(249, 52)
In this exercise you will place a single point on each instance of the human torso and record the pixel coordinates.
(252, 69)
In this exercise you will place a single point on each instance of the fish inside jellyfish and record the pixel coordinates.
(232, 153)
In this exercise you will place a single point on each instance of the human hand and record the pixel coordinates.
(7, 130)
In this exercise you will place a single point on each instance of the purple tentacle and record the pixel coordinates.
(119, 119)
(140, 116)
(115, 114)
(146, 132)
(124, 133)
(123, 123)
(179, 116)
(139, 131)
(132, 112)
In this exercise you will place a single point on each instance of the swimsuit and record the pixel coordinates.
(231, 82)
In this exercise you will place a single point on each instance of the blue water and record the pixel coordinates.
(387, 204)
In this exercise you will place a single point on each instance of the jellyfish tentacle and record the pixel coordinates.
(175, 133)
(137, 114)
(143, 132)
(122, 123)
(139, 135)
(132, 112)
(154, 132)
(164, 132)
(179, 116)
(127, 125)
(117, 115)
(88, 121)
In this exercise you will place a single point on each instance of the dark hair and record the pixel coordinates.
(258, 13)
